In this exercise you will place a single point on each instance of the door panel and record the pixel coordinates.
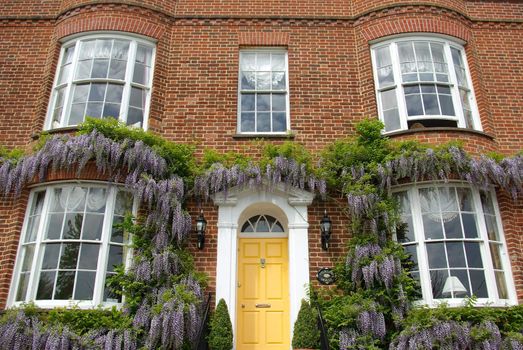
(263, 294)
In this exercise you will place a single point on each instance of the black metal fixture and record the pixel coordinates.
(201, 224)
(326, 229)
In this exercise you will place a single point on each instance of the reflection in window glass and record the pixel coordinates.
(263, 96)
(444, 230)
(104, 80)
(78, 218)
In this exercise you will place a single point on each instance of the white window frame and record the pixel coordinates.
(285, 92)
(36, 263)
(128, 83)
(483, 240)
(398, 85)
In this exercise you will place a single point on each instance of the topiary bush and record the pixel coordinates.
(220, 337)
(306, 332)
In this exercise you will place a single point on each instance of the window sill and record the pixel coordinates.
(462, 303)
(65, 130)
(438, 129)
(289, 136)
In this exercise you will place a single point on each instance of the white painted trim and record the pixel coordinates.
(235, 207)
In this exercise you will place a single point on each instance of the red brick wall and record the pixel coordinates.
(331, 83)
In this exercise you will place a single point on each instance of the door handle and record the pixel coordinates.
(263, 306)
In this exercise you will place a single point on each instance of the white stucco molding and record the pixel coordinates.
(290, 206)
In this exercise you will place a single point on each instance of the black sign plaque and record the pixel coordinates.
(326, 276)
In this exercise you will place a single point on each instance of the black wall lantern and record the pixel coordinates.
(326, 229)
(201, 224)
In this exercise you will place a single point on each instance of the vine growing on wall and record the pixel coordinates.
(372, 308)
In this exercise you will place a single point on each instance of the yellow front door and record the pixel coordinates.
(263, 295)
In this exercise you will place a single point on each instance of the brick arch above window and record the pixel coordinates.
(445, 22)
(116, 18)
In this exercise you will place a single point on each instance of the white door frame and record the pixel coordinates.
(293, 203)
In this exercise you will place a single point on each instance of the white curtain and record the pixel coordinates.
(436, 201)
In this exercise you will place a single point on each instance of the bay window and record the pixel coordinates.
(423, 81)
(454, 237)
(102, 76)
(70, 244)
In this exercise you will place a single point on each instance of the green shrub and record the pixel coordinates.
(306, 332)
(220, 337)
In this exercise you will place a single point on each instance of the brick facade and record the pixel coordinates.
(195, 87)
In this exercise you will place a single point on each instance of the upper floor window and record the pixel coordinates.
(70, 244)
(455, 240)
(102, 76)
(263, 101)
(423, 81)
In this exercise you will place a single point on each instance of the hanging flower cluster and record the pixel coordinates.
(449, 334)
(24, 332)
(219, 178)
(453, 162)
(65, 152)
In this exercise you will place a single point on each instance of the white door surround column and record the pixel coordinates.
(233, 210)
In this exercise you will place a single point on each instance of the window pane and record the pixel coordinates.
(109, 294)
(83, 71)
(32, 229)
(452, 225)
(479, 284)
(100, 68)
(461, 287)
(114, 93)
(69, 255)
(392, 120)
(430, 102)
(469, 224)
(473, 255)
(247, 102)
(263, 61)
(279, 121)
(495, 253)
(54, 226)
(456, 254)
(28, 257)
(111, 110)
(465, 199)
(278, 81)
(22, 287)
(103, 48)
(414, 106)
(279, 102)
(135, 117)
(46, 285)
(81, 92)
(144, 55)
(93, 227)
(138, 97)
(64, 285)
(263, 81)
(447, 108)
(87, 49)
(120, 49)
(432, 226)
(436, 255)
(248, 80)
(412, 252)
(116, 230)
(263, 122)
(84, 285)
(247, 61)
(115, 257)
(88, 256)
(501, 284)
(278, 62)
(263, 102)
(406, 52)
(247, 122)
(97, 92)
(437, 281)
(73, 226)
(51, 253)
(77, 114)
(124, 203)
